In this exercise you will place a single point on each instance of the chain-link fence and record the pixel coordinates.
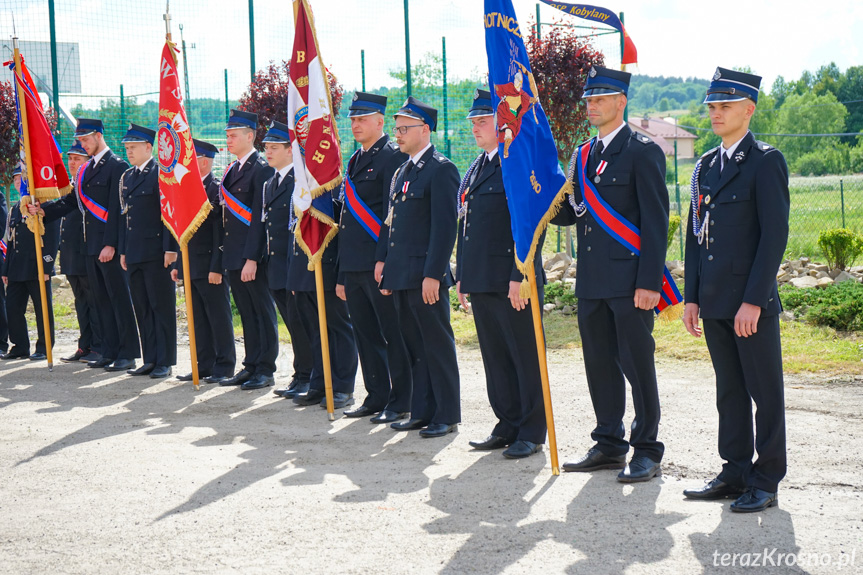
(102, 62)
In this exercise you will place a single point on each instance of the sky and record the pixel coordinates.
(119, 41)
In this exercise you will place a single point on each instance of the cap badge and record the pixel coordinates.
(593, 72)
(717, 75)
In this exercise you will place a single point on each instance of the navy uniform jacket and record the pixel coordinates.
(144, 237)
(73, 250)
(418, 242)
(205, 247)
(277, 214)
(20, 263)
(371, 174)
(485, 260)
(748, 204)
(633, 184)
(101, 184)
(244, 242)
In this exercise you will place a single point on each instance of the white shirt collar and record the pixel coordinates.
(242, 160)
(730, 151)
(606, 141)
(204, 176)
(364, 149)
(98, 157)
(284, 171)
(490, 155)
(416, 159)
(144, 165)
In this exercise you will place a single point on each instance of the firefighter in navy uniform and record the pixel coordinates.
(244, 255)
(73, 264)
(737, 238)
(413, 266)
(276, 214)
(147, 252)
(211, 300)
(21, 278)
(4, 326)
(617, 288)
(486, 270)
(384, 357)
(98, 197)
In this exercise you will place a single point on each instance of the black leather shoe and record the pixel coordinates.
(189, 377)
(259, 381)
(92, 356)
(74, 357)
(521, 449)
(361, 411)
(489, 443)
(754, 500)
(311, 397)
(215, 378)
(595, 460)
(387, 416)
(340, 400)
(145, 369)
(38, 356)
(101, 362)
(714, 489)
(438, 430)
(294, 390)
(121, 365)
(409, 425)
(640, 468)
(11, 355)
(161, 371)
(239, 379)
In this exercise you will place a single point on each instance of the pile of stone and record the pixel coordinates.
(804, 273)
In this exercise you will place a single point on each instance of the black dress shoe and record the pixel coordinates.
(438, 430)
(242, 377)
(641, 468)
(101, 362)
(189, 377)
(145, 369)
(259, 381)
(489, 443)
(340, 400)
(387, 416)
(215, 378)
(311, 397)
(161, 371)
(521, 449)
(409, 425)
(14, 355)
(91, 356)
(715, 489)
(38, 356)
(74, 357)
(294, 390)
(121, 365)
(754, 500)
(361, 411)
(596, 460)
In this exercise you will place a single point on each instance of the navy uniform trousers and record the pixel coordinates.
(17, 294)
(214, 328)
(300, 345)
(155, 301)
(85, 311)
(258, 315)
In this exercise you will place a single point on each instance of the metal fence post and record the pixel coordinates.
(623, 67)
(252, 37)
(122, 107)
(677, 196)
(227, 101)
(407, 50)
(445, 106)
(842, 199)
(538, 36)
(363, 67)
(55, 80)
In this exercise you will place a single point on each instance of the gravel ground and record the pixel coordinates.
(102, 474)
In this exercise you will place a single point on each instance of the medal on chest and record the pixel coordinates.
(599, 171)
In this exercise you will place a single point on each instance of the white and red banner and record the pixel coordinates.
(314, 138)
(184, 201)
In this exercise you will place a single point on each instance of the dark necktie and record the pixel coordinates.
(723, 160)
(599, 147)
(408, 171)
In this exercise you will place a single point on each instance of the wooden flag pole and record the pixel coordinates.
(325, 339)
(37, 236)
(536, 310)
(190, 318)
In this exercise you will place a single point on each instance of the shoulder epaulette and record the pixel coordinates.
(763, 146)
(641, 138)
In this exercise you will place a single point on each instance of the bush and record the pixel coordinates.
(838, 306)
(673, 224)
(560, 291)
(840, 246)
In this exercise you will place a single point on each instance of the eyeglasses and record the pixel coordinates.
(404, 129)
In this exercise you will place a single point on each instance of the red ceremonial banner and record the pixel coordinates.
(314, 138)
(50, 178)
(184, 201)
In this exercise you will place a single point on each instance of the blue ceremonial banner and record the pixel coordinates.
(534, 182)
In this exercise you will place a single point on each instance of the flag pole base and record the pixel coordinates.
(331, 416)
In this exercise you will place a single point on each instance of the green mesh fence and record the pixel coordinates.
(101, 60)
